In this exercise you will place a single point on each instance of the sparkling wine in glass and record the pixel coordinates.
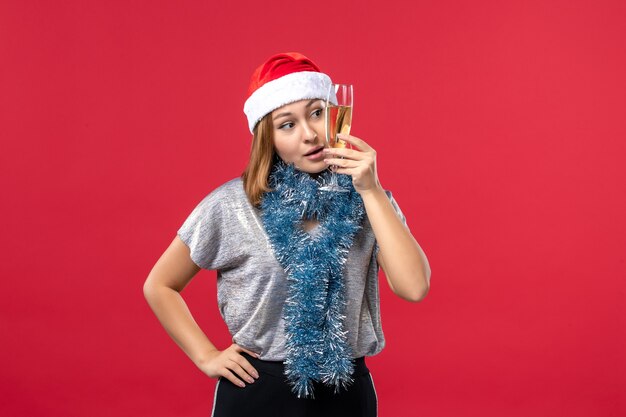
(339, 104)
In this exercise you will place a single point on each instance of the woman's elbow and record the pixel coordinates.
(416, 296)
(148, 289)
(152, 288)
(419, 291)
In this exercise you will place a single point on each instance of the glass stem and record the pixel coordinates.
(333, 175)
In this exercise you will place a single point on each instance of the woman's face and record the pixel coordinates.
(299, 133)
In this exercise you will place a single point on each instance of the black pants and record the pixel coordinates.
(270, 395)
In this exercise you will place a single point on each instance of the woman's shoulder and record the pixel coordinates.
(230, 188)
(226, 195)
(219, 201)
(234, 186)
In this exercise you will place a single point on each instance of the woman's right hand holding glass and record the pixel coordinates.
(230, 364)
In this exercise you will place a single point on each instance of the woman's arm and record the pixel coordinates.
(400, 256)
(169, 276)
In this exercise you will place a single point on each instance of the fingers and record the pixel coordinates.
(243, 363)
(249, 352)
(353, 172)
(359, 164)
(243, 370)
(355, 169)
(241, 366)
(361, 151)
(231, 365)
(347, 158)
(228, 374)
(344, 153)
(342, 163)
(360, 144)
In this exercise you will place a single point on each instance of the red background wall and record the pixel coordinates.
(500, 128)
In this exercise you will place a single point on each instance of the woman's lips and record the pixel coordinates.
(316, 154)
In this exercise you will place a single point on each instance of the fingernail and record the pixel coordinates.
(254, 374)
(241, 384)
(250, 380)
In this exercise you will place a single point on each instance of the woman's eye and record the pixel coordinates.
(287, 125)
(317, 113)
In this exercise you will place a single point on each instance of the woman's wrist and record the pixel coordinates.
(205, 356)
(372, 193)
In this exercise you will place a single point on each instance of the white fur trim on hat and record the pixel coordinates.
(284, 90)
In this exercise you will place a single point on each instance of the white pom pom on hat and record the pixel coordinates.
(282, 79)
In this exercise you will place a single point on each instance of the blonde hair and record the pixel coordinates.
(260, 162)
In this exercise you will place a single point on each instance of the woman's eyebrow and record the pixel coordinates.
(281, 115)
(312, 101)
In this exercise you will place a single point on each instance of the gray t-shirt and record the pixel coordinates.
(224, 233)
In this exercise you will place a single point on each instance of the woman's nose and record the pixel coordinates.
(310, 135)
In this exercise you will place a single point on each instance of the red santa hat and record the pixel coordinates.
(282, 79)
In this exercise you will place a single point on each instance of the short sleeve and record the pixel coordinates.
(396, 207)
(201, 232)
(399, 213)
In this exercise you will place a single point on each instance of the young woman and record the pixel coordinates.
(297, 268)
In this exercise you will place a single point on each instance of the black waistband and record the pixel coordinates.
(277, 368)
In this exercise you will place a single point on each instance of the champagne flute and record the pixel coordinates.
(339, 103)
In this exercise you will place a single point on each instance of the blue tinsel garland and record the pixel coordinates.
(317, 347)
